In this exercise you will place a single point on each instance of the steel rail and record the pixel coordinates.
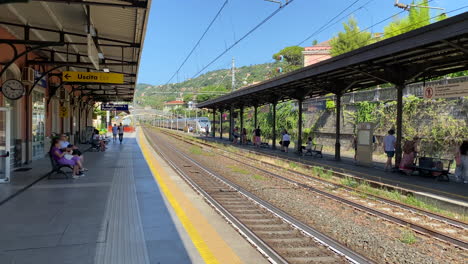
(436, 216)
(386, 216)
(318, 236)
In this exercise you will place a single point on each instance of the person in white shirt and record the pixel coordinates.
(389, 148)
(115, 131)
(286, 140)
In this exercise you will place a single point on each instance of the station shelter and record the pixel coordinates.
(429, 52)
(39, 41)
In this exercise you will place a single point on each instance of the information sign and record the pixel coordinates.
(92, 77)
(446, 90)
(63, 111)
(114, 107)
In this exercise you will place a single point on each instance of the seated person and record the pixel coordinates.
(409, 154)
(65, 144)
(98, 142)
(308, 146)
(438, 165)
(64, 158)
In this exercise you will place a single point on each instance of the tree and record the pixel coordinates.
(292, 55)
(210, 88)
(351, 39)
(417, 17)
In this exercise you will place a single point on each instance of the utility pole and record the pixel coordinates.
(233, 71)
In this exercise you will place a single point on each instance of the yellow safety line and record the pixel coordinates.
(183, 208)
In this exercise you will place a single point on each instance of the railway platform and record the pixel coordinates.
(129, 208)
(450, 192)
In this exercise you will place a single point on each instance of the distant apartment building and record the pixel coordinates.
(317, 53)
(171, 105)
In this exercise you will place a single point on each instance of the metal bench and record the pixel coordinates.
(316, 150)
(433, 167)
(58, 168)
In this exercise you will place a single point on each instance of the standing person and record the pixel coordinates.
(115, 131)
(257, 136)
(207, 130)
(286, 140)
(121, 133)
(235, 135)
(244, 136)
(389, 148)
(461, 158)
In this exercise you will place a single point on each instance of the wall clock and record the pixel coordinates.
(13, 89)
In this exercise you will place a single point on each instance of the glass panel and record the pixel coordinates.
(38, 124)
(4, 169)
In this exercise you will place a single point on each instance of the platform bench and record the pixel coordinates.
(433, 167)
(57, 168)
(315, 151)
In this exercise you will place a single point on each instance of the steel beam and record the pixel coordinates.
(273, 144)
(338, 127)
(120, 4)
(299, 126)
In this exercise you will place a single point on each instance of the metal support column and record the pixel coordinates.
(221, 123)
(338, 119)
(241, 113)
(255, 117)
(399, 124)
(273, 141)
(213, 126)
(231, 121)
(299, 126)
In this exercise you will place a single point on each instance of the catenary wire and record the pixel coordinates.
(199, 40)
(243, 37)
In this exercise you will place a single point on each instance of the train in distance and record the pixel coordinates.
(200, 124)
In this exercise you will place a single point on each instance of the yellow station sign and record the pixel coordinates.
(92, 77)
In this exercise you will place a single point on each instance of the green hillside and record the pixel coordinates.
(218, 80)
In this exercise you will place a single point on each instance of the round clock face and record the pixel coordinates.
(13, 89)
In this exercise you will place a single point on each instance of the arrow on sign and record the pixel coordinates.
(66, 76)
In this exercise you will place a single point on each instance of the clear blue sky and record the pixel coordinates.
(176, 25)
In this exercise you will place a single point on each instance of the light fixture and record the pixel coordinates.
(100, 55)
(106, 69)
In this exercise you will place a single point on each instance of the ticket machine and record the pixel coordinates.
(365, 135)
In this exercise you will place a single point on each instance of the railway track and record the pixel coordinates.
(280, 237)
(434, 225)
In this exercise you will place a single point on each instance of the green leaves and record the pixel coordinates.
(351, 39)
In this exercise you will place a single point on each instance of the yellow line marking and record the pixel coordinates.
(212, 248)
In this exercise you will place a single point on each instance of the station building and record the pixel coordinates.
(39, 41)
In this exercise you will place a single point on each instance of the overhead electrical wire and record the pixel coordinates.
(244, 36)
(199, 40)
(329, 21)
(383, 20)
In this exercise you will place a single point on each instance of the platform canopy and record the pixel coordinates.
(61, 32)
(430, 51)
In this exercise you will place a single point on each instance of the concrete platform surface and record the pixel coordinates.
(116, 214)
